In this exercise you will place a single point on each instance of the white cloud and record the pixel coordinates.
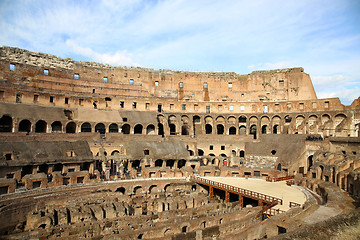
(116, 59)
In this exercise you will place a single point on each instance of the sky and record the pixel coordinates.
(322, 36)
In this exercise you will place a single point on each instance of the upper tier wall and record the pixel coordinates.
(29, 72)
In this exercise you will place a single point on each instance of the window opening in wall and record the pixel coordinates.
(196, 107)
(205, 85)
(314, 105)
(2, 94)
(184, 107)
(211, 147)
(139, 75)
(105, 79)
(36, 98)
(281, 83)
(93, 91)
(8, 156)
(124, 119)
(146, 152)
(181, 84)
(288, 106)
(242, 108)
(207, 109)
(222, 147)
(301, 106)
(159, 107)
(94, 105)
(326, 104)
(242, 95)
(156, 83)
(121, 104)
(220, 107)
(131, 81)
(76, 76)
(231, 108)
(273, 152)
(242, 153)
(171, 106)
(125, 74)
(51, 99)
(276, 107)
(12, 67)
(18, 97)
(230, 85)
(81, 101)
(107, 99)
(265, 109)
(46, 72)
(9, 175)
(66, 100)
(134, 105)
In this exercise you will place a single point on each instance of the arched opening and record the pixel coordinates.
(115, 152)
(191, 152)
(138, 129)
(220, 129)
(170, 163)
(208, 129)
(273, 152)
(253, 130)
(181, 163)
(264, 129)
(242, 153)
(200, 152)
(242, 119)
(184, 229)
(185, 130)
(5, 124)
(113, 128)
(150, 130)
(160, 129)
(172, 129)
(279, 167)
(40, 126)
(56, 126)
(25, 126)
(223, 155)
(159, 163)
(100, 127)
(275, 129)
(242, 130)
(196, 124)
(86, 127)
(232, 131)
(120, 190)
(137, 190)
(71, 127)
(125, 129)
(310, 162)
(135, 164)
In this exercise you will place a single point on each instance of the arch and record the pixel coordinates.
(85, 127)
(115, 152)
(181, 163)
(275, 129)
(231, 120)
(150, 130)
(138, 129)
(159, 163)
(120, 190)
(242, 119)
(172, 129)
(113, 128)
(242, 130)
(279, 167)
(166, 187)
(25, 126)
(196, 119)
(208, 119)
(185, 129)
(5, 124)
(56, 126)
(310, 162)
(40, 126)
(70, 127)
(137, 189)
(264, 129)
(253, 130)
(200, 152)
(232, 131)
(208, 129)
(220, 129)
(125, 129)
(242, 153)
(153, 189)
(223, 155)
(100, 127)
(220, 119)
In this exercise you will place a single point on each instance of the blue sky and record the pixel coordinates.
(321, 36)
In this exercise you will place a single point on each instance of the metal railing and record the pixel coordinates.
(270, 179)
(273, 212)
(241, 191)
(294, 204)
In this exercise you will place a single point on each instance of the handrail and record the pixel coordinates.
(242, 191)
(294, 204)
(270, 179)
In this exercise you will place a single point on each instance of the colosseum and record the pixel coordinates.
(95, 151)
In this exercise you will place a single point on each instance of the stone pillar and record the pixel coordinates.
(211, 192)
(227, 196)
